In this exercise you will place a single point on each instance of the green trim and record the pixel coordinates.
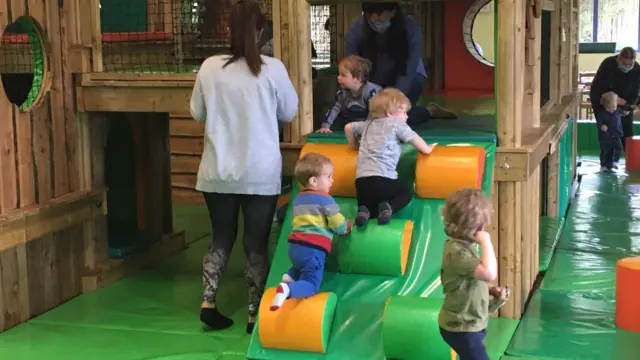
(26, 26)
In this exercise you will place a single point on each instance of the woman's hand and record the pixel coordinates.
(324, 130)
(621, 101)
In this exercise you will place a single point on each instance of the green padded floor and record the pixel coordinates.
(572, 315)
(550, 231)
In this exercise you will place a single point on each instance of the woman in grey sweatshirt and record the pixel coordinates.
(241, 98)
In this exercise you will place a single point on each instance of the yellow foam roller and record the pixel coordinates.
(344, 160)
(448, 169)
(299, 325)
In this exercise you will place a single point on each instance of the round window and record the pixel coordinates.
(478, 31)
(23, 63)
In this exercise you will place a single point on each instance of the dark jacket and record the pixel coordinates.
(610, 78)
(612, 120)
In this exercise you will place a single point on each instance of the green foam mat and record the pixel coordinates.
(357, 330)
(550, 231)
(572, 315)
(573, 325)
(499, 334)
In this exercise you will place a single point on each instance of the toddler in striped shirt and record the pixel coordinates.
(316, 218)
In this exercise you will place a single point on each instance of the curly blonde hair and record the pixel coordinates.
(465, 212)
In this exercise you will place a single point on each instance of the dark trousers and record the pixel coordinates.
(307, 270)
(373, 190)
(468, 345)
(224, 211)
(627, 130)
(610, 148)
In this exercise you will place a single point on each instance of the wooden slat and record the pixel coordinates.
(186, 145)
(68, 36)
(186, 181)
(187, 196)
(41, 124)
(185, 164)
(186, 127)
(56, 98)
(25, 169)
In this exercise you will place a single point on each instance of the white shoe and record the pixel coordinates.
(282, 293)
(287, 279)
(615, 165)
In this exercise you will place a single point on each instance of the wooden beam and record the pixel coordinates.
(35, 221)
(510, 78)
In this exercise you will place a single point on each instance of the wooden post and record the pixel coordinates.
(294, 49)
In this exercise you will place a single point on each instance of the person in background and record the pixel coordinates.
(354, 93)
(241, 98)
(620, 74)
(393, 44)
(610, 129)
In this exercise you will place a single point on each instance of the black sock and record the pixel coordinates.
(250, 326)
(213, 319)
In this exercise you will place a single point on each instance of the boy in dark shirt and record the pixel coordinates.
(609, 120)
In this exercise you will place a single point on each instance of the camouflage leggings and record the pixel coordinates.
(258, 214)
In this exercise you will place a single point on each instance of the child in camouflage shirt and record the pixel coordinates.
(466, 276)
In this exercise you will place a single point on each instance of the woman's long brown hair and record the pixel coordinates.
(245, 23)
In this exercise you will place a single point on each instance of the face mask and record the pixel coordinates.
(380, 26)
(625, 69)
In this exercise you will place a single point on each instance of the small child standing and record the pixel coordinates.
(465, 276)
(379, 144)
(316, 217)
(352, 99)
(609, 121)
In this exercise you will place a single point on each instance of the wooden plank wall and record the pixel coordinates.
(186, 142)
(43, 229)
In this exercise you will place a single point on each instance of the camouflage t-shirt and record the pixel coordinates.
(466, 299)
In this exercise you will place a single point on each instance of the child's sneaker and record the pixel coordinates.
(615, 166)
(384, 213)
(604, 168)
(363, 216)
(282, 293)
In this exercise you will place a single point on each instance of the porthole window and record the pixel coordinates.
(23, 63)
(478, 30)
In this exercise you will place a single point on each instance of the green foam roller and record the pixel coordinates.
(376, 249)
(410, 329)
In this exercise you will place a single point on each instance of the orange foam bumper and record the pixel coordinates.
(299, 325)
(632, 153)
(448, 169)
(344, 160)
(628, 293)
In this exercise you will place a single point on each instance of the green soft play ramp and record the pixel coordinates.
(357, 327)
(550, 231)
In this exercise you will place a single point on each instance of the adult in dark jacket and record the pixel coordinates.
(392, 42)
(620, 74)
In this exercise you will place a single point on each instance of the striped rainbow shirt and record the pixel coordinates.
(316, 217)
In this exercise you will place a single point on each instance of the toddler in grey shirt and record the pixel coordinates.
(379, 144)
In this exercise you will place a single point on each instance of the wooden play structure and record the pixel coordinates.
(54, 159)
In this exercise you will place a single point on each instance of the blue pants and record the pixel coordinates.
(468, 345)
(307, 270)
(610, 148)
